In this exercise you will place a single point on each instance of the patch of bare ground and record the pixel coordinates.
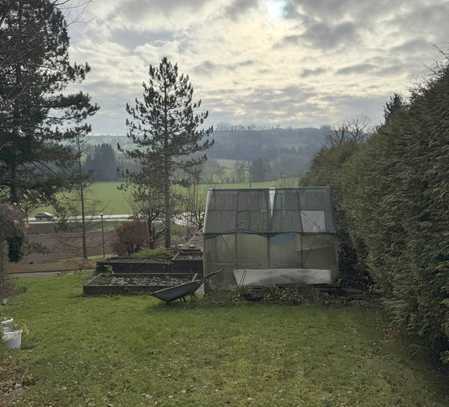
(13, 381)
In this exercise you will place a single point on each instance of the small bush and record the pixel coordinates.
(131, 237)
(293, 296)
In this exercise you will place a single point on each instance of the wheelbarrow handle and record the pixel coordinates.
(213, 274)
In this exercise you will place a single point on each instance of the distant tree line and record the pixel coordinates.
(288, 151)
(391, 191)
(249, 145)
(102, 165)
(273, 163)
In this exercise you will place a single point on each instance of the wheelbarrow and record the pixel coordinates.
(181, 291)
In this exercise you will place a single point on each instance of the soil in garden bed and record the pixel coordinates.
(112, 284)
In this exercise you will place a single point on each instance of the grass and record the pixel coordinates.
(70, 263)
(106, 198)
(134, 351)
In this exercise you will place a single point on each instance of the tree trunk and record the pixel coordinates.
(3, 270)
(13, 194)
(83, 209)
(167, 212)
(83, 222)
(14, 198)
(151, 240)
(166, 175)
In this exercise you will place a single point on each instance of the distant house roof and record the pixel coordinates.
(265, 211)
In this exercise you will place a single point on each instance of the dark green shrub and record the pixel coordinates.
(392, 194)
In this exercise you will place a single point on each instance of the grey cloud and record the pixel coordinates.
(264, 101)
(356, 69)
(374, 66)
(323, 36)
(391, 70)
(406, 35)
(112, 98)
(313, 72)
(206, 68)
(292, 91)
(316, 7)
(389, 62)
(132, 39)
(239, 7)
(290, 10)
(337, 10)
(412, 46)
(415, 21)
(287, 106)
(248, 62)
(139, 9)
(429, 20)
(209, 67)
(326, 36)
(349, 106)
(288, 40)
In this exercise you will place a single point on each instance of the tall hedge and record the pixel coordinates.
(393, 191)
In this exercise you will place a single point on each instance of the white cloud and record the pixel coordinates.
(286, 62)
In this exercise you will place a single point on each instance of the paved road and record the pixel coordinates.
(94, 218)
(179, 220)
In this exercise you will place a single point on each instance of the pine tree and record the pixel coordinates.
(39, 119)
(168, 132)
(393, 106)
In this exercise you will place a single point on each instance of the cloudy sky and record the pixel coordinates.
(265, 62)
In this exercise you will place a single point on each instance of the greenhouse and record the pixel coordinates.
(270, 237)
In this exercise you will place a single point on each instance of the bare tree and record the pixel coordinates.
(148, 203)
(351, 131)
(195, 202)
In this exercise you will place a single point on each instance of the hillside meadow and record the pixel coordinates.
(107, 198)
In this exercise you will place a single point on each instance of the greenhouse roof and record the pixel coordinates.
(269, 211)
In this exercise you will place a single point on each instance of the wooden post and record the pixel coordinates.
(301, 234)
(3, 266)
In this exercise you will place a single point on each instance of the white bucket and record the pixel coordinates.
(13, 339)
(7, 326)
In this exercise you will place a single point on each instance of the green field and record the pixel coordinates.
(106, 198)
(135, 351)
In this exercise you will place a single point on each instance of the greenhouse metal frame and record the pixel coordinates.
(270, 237)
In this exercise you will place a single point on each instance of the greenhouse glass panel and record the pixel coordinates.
(252, 250)
(283, 253)
(225, 249)
(313, 221)
(319, 251)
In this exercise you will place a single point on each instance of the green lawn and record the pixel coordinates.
(105, 197)
(134, 351)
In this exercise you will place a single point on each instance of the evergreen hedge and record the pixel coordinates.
(392, 194)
